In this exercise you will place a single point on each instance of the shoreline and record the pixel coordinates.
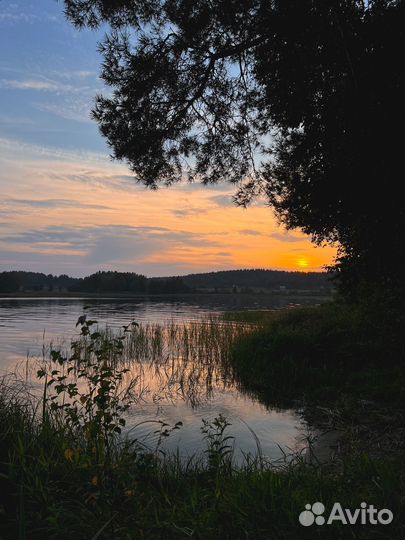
(112, 295)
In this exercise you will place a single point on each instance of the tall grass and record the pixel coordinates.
(166, 360)
(209, 339)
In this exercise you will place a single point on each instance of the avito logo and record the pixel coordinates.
(366, 514)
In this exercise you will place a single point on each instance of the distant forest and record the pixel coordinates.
(235, 281)
(256, 280)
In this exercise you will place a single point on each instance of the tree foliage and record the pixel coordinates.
(130, 282)
(299, 101)
(99, 282)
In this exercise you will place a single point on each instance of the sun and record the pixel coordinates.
(302, 263)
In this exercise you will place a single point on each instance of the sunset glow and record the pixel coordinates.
(303, 263)
(77, 214)
(66, 208)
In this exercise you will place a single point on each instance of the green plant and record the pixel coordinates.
(219, 448)
(88, 390)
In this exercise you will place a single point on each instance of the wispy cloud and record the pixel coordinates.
(73, 110)
(250, 232)
(117, 245)
(223, 200)
(12, 14)
(187, 209)
(13, 146)
(287, 237)
(18, 17)
(53, 203)
(43, 84)
(89, 236)
(30, 84)
(79, 74)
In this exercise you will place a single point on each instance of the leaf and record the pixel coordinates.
(81, 320)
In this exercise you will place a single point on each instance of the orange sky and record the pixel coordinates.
(76, 213)
(65, 208)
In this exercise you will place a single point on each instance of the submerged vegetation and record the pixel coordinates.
(68, 470)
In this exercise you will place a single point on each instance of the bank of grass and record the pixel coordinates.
(319, 354)
(52, 487)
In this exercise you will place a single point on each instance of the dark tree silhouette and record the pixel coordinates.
(298, 100)
(128, 282)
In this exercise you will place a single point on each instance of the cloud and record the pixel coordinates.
(113, 249)
(32, 84)
(76, 74)
(188, 212)
(99, 178)
(107, 242)
(223, 200)
(18, 17)
(54, 203)
(68, 236)
(110, 246)
(222, 254)
(286, 237)
(12, 16)
(250, 232)
(69, 82)
(18, 147)
(79, 112)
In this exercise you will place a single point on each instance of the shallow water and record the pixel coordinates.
(171, 393)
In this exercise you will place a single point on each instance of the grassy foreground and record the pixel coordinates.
(65, 471)
(53, 487)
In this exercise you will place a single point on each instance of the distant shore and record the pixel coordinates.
(71, 294)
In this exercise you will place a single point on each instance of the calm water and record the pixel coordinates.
(171, 394)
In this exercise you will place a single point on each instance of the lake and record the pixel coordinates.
(171, 391)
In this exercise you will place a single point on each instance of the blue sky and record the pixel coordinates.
(48, 77)
(67, 208)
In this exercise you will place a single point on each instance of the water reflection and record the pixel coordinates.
(179, 358)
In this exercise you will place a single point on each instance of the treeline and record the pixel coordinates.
(20, 281)
(259, 279)
(100, 282)
(121, 282)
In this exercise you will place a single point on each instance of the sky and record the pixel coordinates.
(66, 207)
